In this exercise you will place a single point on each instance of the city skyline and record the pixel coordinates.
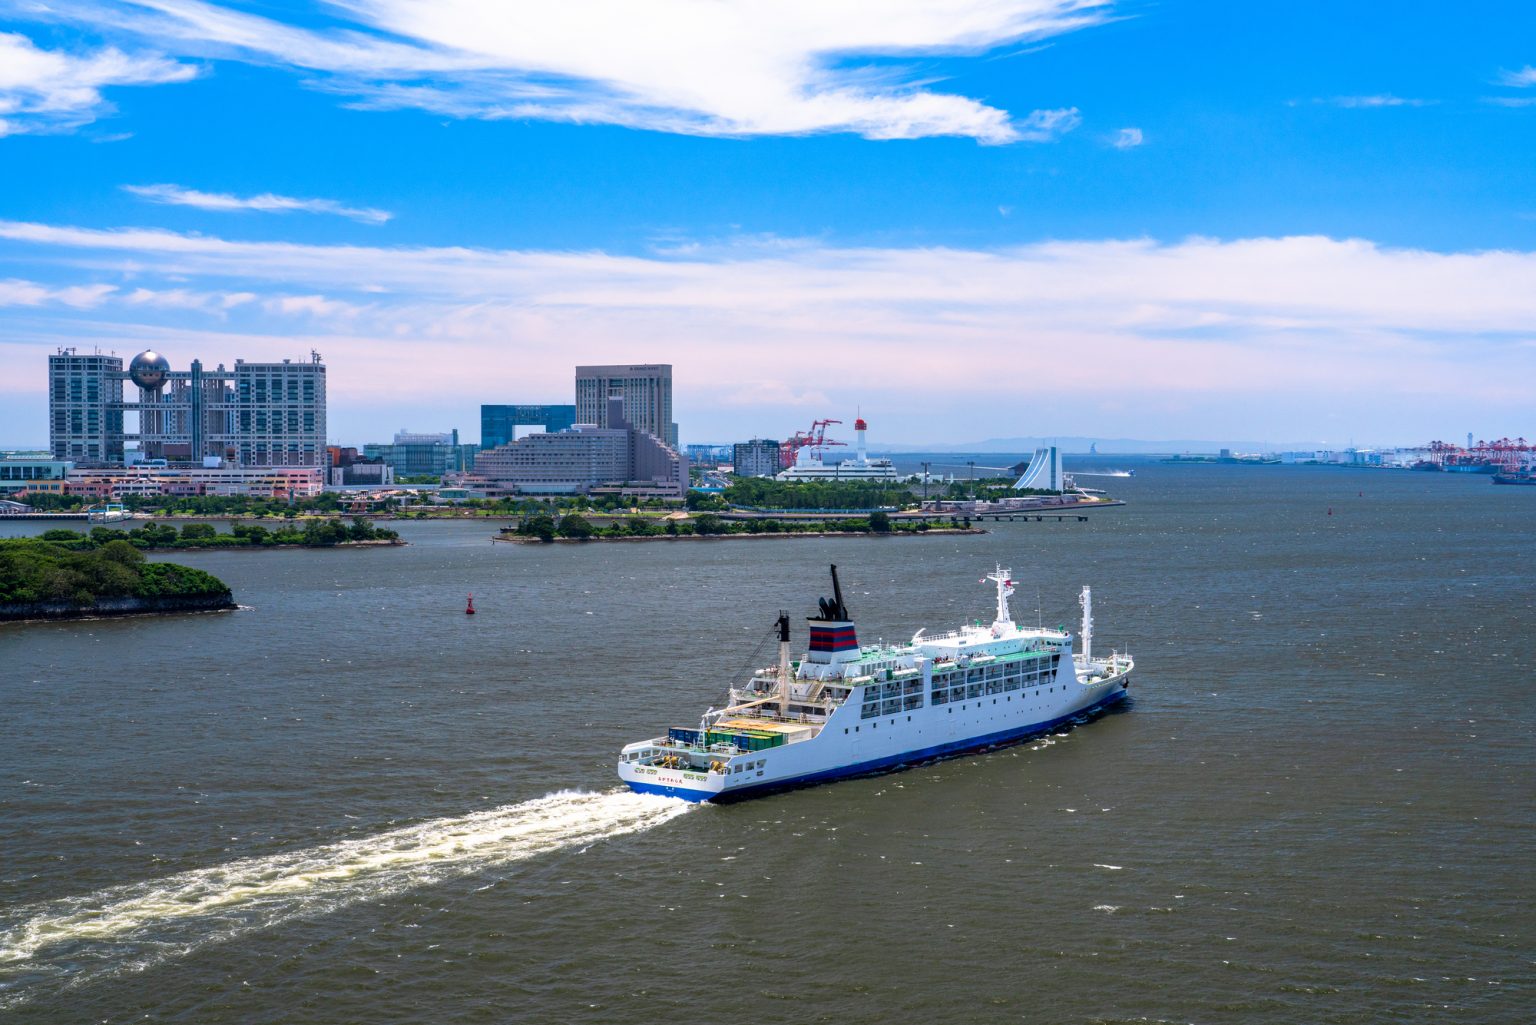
(984, 219)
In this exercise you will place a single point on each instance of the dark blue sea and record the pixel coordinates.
(350, 802)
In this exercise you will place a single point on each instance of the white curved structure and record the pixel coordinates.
(1044, 471)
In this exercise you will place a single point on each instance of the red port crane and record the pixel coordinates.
(816, 437)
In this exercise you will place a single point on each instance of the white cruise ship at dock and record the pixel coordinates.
(846, 710)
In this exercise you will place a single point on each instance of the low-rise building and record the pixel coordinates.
(586, 457)
(33, 474)
(349, 469)
(282, 482)
(424, 455)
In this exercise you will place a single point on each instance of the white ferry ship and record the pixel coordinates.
(846, 710)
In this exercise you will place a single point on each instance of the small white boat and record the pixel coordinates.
(112, 512)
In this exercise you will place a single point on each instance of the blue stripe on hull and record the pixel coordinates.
(882, 764)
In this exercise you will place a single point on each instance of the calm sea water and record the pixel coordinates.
(351, 802)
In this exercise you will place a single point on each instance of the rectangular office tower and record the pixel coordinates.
(85, 407)
(279, 413)
(258, 414)
(646, 390)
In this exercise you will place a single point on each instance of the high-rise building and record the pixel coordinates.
(85, 406)
(756, 458)
(278, 414)
(501, 424)
(258, 414)
(645, 388)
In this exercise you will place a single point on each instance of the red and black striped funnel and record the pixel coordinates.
(833, 636)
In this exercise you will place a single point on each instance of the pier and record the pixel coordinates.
(7, 515)
(1026, 517)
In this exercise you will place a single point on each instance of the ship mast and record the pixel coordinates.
(1086, 601)
(783, 625)
(1004, 589)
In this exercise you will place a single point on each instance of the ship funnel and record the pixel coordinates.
(833, 638)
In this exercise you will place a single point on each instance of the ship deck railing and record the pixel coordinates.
(787, 720)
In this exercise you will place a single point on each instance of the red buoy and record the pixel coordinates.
(470, 609)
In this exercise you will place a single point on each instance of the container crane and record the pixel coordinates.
(816, 437)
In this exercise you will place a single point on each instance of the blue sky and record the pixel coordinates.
(970, 218)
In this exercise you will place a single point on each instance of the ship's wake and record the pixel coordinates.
(49, 947)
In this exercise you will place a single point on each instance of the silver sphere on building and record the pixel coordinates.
(149, 370)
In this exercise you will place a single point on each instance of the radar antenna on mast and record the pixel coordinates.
(1002, 577)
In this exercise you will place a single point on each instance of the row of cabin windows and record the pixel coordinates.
(892, 696)
(906, 695)
(993, 680)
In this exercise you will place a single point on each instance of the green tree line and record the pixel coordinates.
(310, 533)
(33, 570)
(577, 527)
(765, 493)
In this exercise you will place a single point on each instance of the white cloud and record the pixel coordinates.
(53, 90)
(1511, 101)
(1280, 331)
(15, 292)
(1127, 138)
(1519, 79)
(266, 202)
(311, 305)
(1045, 125)
(1311, 280)
(727, 67)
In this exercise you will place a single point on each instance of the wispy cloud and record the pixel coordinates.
(1127, 138)
(56, 90)
(1046, 125)
(1378, 100)
(1275, 328)
(728, 68)
(1519, 79)
(16, 292)
(1511, 101)
(267, 202)
(313, 305)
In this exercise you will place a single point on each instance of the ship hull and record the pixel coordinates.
(819, 759)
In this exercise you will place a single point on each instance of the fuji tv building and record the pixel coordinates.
(243, 422)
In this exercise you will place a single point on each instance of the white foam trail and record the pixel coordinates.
(67, 942)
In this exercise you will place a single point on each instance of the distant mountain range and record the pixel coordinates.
(1112, 446)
